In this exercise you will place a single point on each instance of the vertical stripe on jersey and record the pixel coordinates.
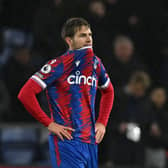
(57, 151)
(76, 106)
(86, 113)
(75, 103)
(54, 151)
(55, 110)
(92, 101)
(64, 95)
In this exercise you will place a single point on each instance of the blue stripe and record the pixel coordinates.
(52, 152)
(58, 70)
(52, 100)
(76, 96)
(93, 95)
(76, 106)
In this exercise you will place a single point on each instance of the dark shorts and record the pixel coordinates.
(72, 154)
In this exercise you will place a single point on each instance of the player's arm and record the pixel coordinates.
(106, 102)
(27, 96)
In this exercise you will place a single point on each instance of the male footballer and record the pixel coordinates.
(71, 81)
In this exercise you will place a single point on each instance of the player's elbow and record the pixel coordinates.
(21, 95)
(29, 90)
(25, 92)
(111, 89)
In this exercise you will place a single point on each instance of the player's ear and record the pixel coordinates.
(68, 41)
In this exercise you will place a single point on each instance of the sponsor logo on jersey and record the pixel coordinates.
(81, 79)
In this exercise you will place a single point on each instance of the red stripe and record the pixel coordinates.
(86, 99)
(57, 151)
(50, 108)
(64, 97)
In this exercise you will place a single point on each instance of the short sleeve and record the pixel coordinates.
(49, 73)
(104, 79)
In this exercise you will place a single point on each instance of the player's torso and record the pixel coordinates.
(72, 95)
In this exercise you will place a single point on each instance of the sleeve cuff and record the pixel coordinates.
(105, 85)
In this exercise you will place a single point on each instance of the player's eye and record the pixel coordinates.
(82, 35)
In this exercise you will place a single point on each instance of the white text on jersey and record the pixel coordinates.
(81, 79)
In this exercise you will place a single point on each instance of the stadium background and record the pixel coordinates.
(30, 35)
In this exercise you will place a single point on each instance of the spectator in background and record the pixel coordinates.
(120, 66)
(128, 123)
(158, 131)
(16, 72)
(123, 61)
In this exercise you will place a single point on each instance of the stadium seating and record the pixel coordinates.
(19, 145)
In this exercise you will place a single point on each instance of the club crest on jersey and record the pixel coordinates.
(77, 63)
(81, 79)
(46, 68)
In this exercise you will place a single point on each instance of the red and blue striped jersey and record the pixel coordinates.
(71, 81)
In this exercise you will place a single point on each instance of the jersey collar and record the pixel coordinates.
(85, 47)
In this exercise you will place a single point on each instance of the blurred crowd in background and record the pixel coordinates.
(131, 38)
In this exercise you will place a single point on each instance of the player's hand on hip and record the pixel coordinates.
(100, 130)
(60, 130)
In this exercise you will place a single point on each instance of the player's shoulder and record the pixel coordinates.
(52, 61)
(97, 59)
(55, 61)
(50, 64)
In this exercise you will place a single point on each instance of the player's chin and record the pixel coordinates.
(88, 45)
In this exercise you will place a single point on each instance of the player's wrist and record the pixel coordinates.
(101, 122)
(50, 124)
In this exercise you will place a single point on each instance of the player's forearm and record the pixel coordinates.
(106, 104)
(27, 96)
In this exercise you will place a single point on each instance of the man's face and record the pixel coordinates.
(158, 96)
(82, 38)
(97, 8)
(138, 90)
(124, 51)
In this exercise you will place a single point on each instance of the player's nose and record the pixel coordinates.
(89, 39)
